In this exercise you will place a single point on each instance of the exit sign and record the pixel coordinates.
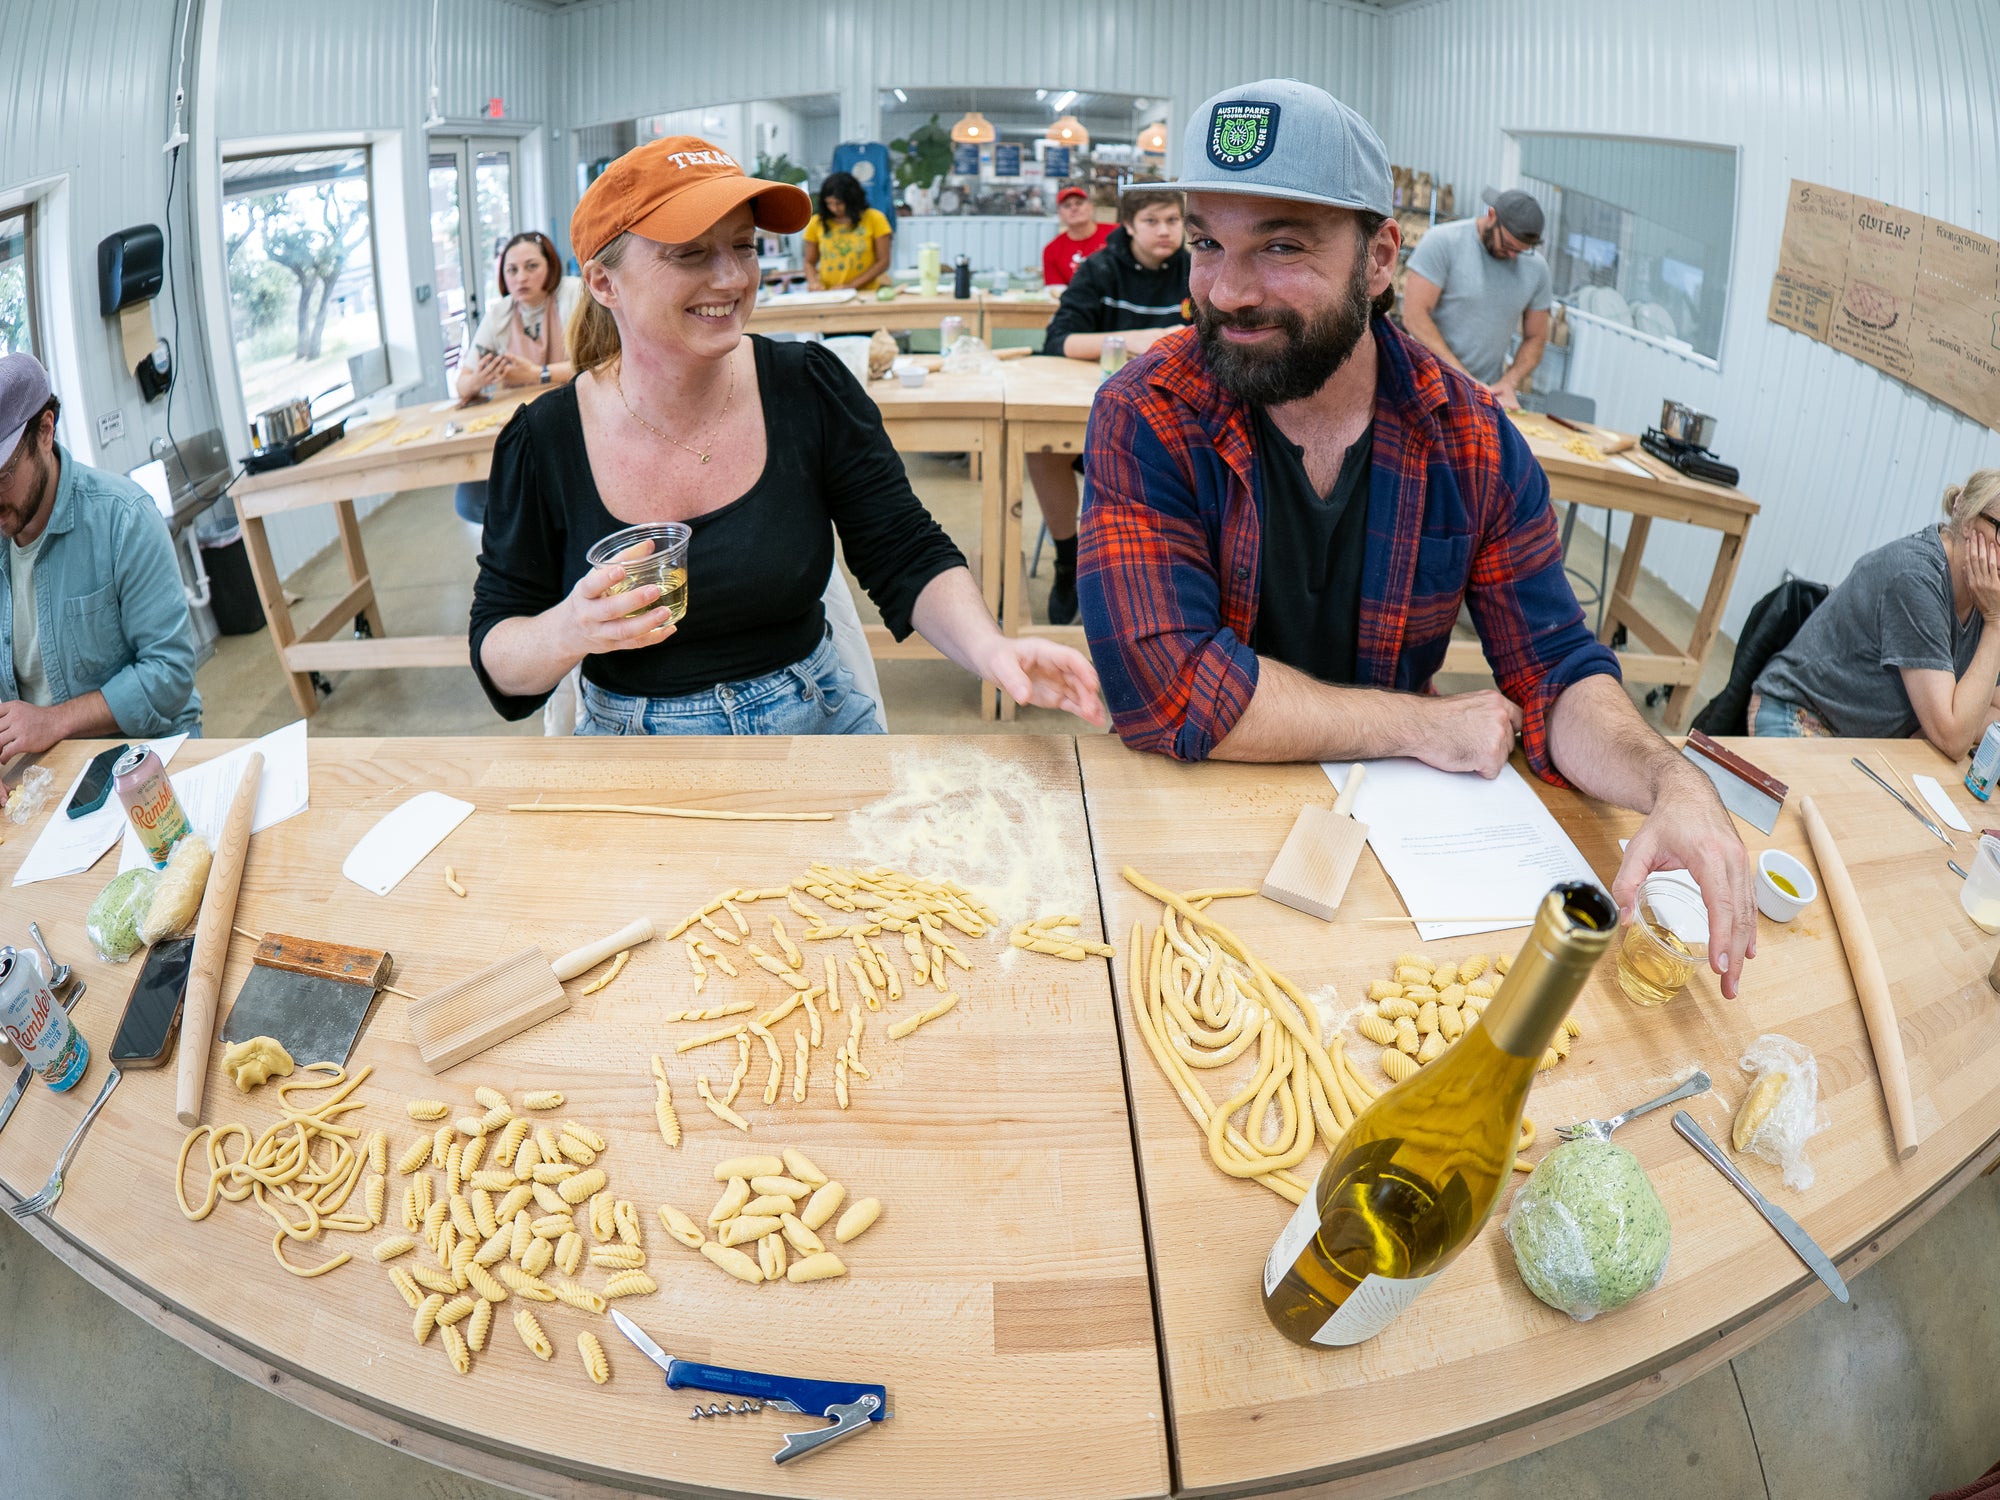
(495, 109)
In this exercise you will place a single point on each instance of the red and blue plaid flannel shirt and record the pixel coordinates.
(1169, 565)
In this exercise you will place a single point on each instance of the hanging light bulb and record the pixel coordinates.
(1068, 131)
(1153, 139)
(972, 128)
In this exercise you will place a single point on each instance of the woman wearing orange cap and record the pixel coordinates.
(766, 451)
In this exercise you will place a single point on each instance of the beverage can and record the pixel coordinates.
(149, 801)
(33, 1020)
(950, 330)
(1985, 764)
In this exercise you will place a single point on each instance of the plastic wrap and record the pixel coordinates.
(1782, 1110)
(882, 353)
(1588, 1231)
(177, 898)
(113, 922)
(970, 356)
(31, 796)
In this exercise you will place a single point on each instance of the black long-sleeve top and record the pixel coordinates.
(756, 567)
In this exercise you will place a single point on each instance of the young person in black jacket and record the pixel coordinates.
(1137, 288)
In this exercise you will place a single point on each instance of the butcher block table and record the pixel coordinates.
(1002, 1298)
(1478, 1370)
(862, 314)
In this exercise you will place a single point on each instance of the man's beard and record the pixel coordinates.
(1301, 362)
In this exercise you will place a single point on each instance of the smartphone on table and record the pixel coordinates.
(96, 784)
(153, 1013)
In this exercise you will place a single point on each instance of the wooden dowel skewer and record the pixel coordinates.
(1871, 985)
(672, 812)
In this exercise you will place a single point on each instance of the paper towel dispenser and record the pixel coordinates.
(129, 267)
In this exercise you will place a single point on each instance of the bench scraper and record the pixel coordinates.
(1753, 795)
(312, 997)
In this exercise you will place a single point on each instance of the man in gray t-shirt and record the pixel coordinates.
(1894, 611)
(1474, 284)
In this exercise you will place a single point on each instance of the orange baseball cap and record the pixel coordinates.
(674, 189)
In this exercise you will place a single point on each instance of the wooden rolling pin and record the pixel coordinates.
(1870, 984)
(211, 944)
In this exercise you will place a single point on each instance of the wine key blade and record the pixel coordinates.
(848, 1406)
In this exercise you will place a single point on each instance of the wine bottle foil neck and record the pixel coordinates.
(1572, 930)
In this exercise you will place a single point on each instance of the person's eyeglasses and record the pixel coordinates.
(13, 465)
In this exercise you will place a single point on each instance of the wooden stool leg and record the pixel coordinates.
(277, 614)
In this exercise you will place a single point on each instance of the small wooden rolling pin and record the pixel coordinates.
(211, 944)
(1870, 984)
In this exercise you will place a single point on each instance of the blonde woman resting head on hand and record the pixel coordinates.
(766, 451)
(1908, 644)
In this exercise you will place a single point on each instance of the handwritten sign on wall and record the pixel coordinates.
(1913, 296)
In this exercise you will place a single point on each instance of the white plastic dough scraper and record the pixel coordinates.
(848, 1406)
(398, 843)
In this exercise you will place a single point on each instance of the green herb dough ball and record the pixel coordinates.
(1589, 1232)
(114, 917)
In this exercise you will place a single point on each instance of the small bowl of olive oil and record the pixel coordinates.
(1784, 886)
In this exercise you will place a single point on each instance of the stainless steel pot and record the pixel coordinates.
(1686, 425)
(280, 424)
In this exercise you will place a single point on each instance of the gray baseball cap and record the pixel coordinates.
(24, 391)
(1519, 214)
(1284, 139)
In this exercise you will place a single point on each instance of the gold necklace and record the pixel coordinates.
(618, 381)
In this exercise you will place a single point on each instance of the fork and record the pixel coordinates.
(1600, 1130)
(45, 1200)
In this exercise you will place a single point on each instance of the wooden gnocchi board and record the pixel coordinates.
(1003, 1297)
(1478, 1370)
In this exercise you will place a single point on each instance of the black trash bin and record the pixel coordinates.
(232, 590)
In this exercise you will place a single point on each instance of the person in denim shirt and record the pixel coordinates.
(98, 641)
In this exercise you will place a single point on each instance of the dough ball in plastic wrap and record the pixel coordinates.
(177, 898)
(1781, 1112)
(113, 922)
(1588, 1231)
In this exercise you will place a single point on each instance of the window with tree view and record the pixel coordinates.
(17, 284)
(303, 299)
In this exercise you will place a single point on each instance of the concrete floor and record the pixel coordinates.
(1893, 1398)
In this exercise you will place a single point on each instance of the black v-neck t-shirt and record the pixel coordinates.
(1309, 596)
(756, 567)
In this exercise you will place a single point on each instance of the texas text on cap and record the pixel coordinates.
(1519, 214)
(1284, 139)
(673, 190)
(24, 391)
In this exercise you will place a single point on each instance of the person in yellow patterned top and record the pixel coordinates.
(847, 242)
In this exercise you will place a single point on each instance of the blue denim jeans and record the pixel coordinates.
(813, 696)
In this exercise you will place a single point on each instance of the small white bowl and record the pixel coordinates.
(913, 378)
(1771, 900)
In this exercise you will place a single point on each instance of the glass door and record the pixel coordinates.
(473, 194)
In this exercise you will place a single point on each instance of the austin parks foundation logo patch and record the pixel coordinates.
(1241, 133)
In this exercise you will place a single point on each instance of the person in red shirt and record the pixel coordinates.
(1082, 237)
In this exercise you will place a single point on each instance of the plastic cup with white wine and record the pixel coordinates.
(652, 553)
(1661, 948)
(1415, 1176)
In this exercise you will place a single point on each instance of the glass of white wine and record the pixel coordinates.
(652, 553)
(1661, 948)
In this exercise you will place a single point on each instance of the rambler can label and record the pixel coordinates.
(149, 801)
(33, 1021)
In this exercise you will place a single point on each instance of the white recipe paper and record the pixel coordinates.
(206, 790)
(69, 846)
(1455, 843)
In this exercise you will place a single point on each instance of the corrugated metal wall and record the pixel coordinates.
(622, 58)
(1896, 101)
(84, 91)
(289, 66)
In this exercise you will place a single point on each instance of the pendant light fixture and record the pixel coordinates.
(973, 128)
(1067, 130)
(1153, 139)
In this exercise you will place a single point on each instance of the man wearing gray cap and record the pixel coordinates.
(1476, 283)
(1290, 503)
(97, 639)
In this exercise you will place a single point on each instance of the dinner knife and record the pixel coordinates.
(848, 1405)
(1787, 1226)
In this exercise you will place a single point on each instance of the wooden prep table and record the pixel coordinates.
(1048, 410)
(1003, 1296)
(1477, 1370)
(1025, 311)
(951, 413)
(864, 314)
